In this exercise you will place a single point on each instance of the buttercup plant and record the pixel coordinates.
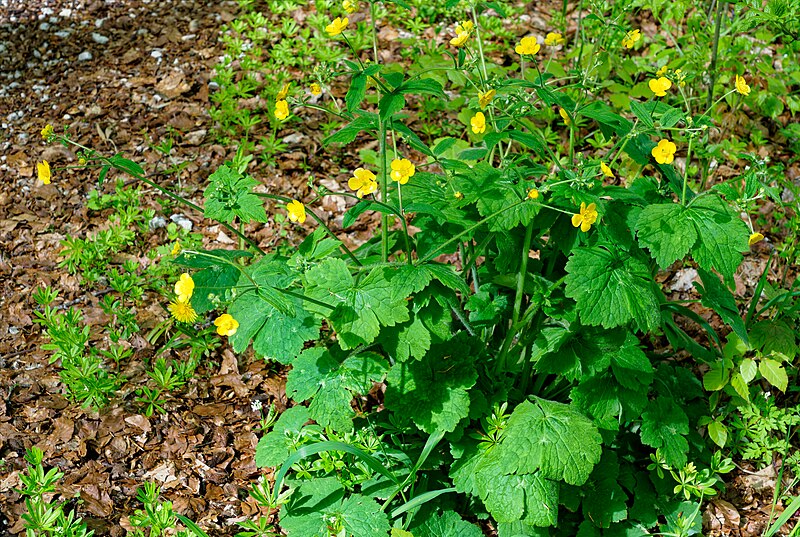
(501, 304)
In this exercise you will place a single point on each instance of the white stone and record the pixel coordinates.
(100, 39)
(84, 56)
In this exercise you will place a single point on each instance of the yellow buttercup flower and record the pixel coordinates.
(47, 131)
(184, 287)
(283, 93)
(281, 110)
(528, 46)
(350, 6)
(459, 39)
(754, 238)
(606, 170)
(659, 86)
(315, 89)
(478, 123)
(631, 38)
(183, 312)
(661, 72)
(458, 195)
(402, 170)
(485, 97)
(363, 182)
(43, 171)
(586, 217)
(741, 86)
(564, 116)
(226, 325)
(297, 211)
(464, 27)
(533, 194)
(554, 39)
(176, 248)
(81, 161)
(664, 152)
(337, 26)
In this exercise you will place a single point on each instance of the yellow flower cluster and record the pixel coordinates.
(315, 89)
(463, 31)
(554, 39)
(402, 170)
(660, 85)
(181, 309)
(363, 182)
(350, 6)
(47, 131)
(282, 109)
(337, 26)
(528, 46)
(586, 216)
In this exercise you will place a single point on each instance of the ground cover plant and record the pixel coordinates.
(499, 353)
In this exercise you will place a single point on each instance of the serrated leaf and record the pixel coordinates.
(605, 502)
(434, 391)
(448, 524)
(664, 425)
(275, 447)
(358, 516)
(612, 289)
(409, 340)
(360, 309)
(356, 92)
(229, 195)
(774, 336)
(317, 374)
(774, 372)
(717, 297)
(665, 232)
(722, 236)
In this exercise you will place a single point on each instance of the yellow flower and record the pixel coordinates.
(661, 72)
(363, 182)
(184, 287)
(315, 88)
(283, 93)
(226, 325)
(533, 194)
(176, 249)
(43, 171)
(81, 161)
(460, 39)
(297, 211)
(337, 26)
(741, 86)
(182, 311)
(464, 27)
(586, 217)
(528, 46)
(47, 131)
(606, 170)
(478, 123)
(458, 195)
(754, 238)
(281, 110)
(631, 38)
(564, 116)
(402, 170)
(554, 39)
(350, 6)
(485, 97)
(659, 86)
(664, 152)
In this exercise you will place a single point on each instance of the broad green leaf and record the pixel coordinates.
(549, 438)
(318, 376)
(665, 232)
(356, 516)
(738, 384)
(219, 274)
(748, 369)
(774, 372)
(503, 202)
(274, 447)
(722, 236)
(718, 433)
(229, 196)
(434, 392)
(716, 377)
(349, 132)
(717, 297)
(608, 402)
(448, 524)
(359, 308)
(774, 336)
(664, 425)
(128, 166)
(612, 289)
(356, 93)
(408, 340)
(605, 502)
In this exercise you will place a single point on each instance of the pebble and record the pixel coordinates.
(63, 34)
(84, 56)
(66, 12)
(14, 116)
(44, 26)
(157, 222)
(100, 39)
(182, 221)
(156, 54)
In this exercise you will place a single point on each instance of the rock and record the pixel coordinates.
(100, 39)
(156, 54)
(182, 221)
(63, 34)
(196, 137)
(683, 280)
(173, 85)
(84, 56)
(157, 222)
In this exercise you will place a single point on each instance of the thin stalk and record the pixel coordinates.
(686, 170)
(714, 51)
(384, 190)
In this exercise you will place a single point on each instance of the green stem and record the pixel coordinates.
(344, 248)
(714, 50)
(522, 274)
(384, 190)
(686, 170)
